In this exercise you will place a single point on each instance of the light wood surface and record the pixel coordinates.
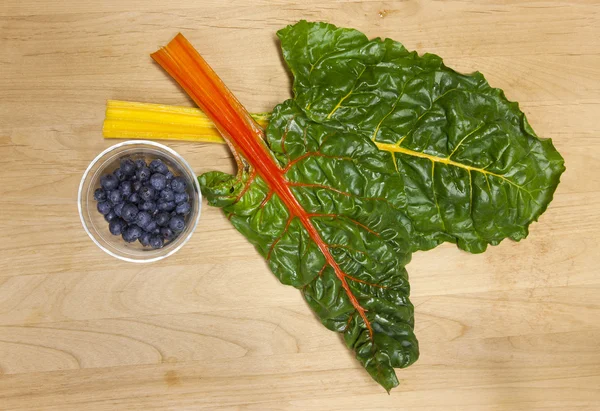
(515, 328)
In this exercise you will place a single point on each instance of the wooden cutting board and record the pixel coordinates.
(515, 328)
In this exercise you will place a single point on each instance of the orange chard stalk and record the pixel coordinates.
(244, 136)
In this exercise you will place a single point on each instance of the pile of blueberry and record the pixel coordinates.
(143, 202)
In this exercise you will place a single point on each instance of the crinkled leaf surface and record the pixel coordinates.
(474, 171)
(380, 153)
(357, 205)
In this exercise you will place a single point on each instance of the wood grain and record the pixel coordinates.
(515, 328)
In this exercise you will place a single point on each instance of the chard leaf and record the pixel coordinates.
(473, 169)
(380, 153)
(323, 207)
(341, 180)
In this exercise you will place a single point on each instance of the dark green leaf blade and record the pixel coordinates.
(474, 170)
(341, 180)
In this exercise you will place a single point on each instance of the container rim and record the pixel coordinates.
(182, 162)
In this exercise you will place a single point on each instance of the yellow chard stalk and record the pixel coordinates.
(147, 121)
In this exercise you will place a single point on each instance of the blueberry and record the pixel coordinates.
(143, 174)
(163, 205)
(143, 218)
(132, 233)
(115, 197)
(134, 198)
(148, 206)
(183, 208)
(162, 219)
(110, 216)
(178, 184)
(127, 166)
(167, 233)
(159, 167)
(121, 176)
(129, 212)
(99, 195)
(156, 241)
(145, 239)
(181, 198)
(136, 186)
(125, 188)
(169, 176)
(140, 164)
(136, 228)
(151, 226)
(147, 193)
(116, 226)
(104, 207)
(118, 208)
(177, 224)
(158, 181)
(109, 182)
(167, 194)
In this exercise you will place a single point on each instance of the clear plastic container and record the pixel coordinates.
(94, 223)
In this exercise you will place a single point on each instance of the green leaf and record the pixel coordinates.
(380, 153)
(356, 202)
(473, 169)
